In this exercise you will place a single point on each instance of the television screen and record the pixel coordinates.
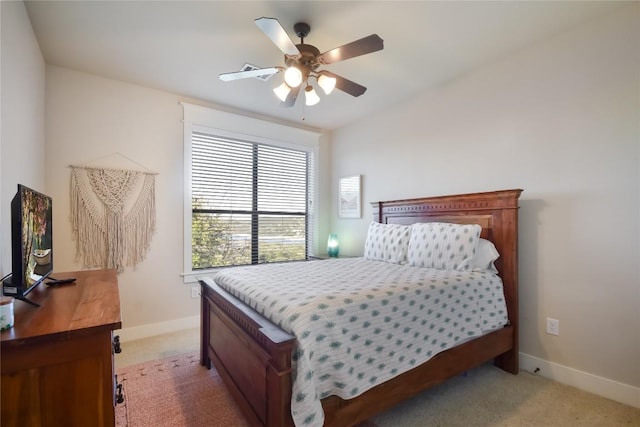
(31, 241)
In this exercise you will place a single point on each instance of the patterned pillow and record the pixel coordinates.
(442, 245)
(486, 255)
(387, 242)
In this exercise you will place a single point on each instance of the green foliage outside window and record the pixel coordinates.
(224, 240)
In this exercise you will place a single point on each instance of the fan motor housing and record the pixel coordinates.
(308, 57)
(309, 54)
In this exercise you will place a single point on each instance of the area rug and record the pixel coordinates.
(177, 392)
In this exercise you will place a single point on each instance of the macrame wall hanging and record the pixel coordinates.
(113, 214)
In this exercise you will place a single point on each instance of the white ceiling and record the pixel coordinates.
(182, 46)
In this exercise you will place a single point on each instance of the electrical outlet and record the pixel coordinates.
(553, 326)
(195, 292)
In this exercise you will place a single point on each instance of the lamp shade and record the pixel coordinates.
(293, 76)
(311, 97)
(333, 248)
(282, 92)
(326, 83)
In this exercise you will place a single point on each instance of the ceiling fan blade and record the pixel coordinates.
(346, 85)
(291, 97)
(272, 28)
(363, 46)
(227, 77)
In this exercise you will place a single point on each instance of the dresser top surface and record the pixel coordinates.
(91, 302)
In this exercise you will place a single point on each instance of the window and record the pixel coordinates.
(250, 202)
(249, 191)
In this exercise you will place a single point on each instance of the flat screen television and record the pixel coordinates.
(31, 242)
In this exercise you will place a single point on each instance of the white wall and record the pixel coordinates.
(90, 117)
(560, 120)
(22, 141)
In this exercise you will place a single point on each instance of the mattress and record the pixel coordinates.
(359, 323)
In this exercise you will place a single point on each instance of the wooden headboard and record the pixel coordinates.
(495, 211)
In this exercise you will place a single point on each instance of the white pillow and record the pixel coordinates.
(387, 242)
(443, 245)
(486, 255)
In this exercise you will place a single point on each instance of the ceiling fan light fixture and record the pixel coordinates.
(327, 83)
(293, 76)
(302, 61)
(282, 91)
(311, 97)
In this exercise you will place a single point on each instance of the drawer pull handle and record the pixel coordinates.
(119, 395)
(116, 344)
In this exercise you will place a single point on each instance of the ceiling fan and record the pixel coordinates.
(303, 60)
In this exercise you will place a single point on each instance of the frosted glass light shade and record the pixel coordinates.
(326, 83)
(282, 91)
(333, 248)
(311, 97)
(293, 77)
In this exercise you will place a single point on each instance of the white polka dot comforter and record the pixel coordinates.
(359, 323)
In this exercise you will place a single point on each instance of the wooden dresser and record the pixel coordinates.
(57, 360)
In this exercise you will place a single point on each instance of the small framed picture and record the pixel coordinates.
(349, 205)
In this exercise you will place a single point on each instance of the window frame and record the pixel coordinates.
(234, 126)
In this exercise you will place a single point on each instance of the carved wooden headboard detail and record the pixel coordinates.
(494, 211)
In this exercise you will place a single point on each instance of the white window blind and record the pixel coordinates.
(251, 203)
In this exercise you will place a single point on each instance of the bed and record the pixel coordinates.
(254, 355)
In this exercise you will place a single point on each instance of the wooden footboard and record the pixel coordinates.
(253, 356)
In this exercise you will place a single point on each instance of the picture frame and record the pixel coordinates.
(349, 203)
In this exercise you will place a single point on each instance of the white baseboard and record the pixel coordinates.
(620, 392)
(151, 330)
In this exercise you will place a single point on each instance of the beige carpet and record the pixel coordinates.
(490, 397)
